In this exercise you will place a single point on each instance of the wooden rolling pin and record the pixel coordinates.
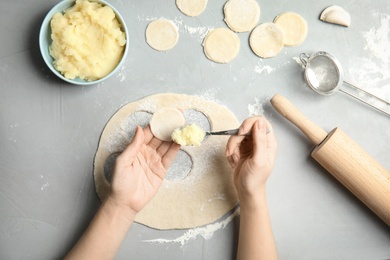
(344, 159)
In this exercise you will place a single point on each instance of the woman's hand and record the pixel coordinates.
(141, 168)
(252, 157)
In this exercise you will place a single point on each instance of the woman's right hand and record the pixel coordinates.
(252, 157)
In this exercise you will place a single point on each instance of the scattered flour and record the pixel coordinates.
(45, 185)
(122, 74)
(200, 31)
(372, 73)
(298, 60)
(260, 69)
(210, 95)
(256, 109)
(206, 232)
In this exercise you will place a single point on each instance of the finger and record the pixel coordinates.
(260, 140)
(170, 155)
(271, 142)
(155, 143)
(233, 143)
(148, 134)
(233, 160)
(163, 148)
(134, 147)
(247, 125)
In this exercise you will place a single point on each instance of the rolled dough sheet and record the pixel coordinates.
(221, 45)
(162, 34)
(191, 7)
(241, 15)
(206, 194)
(294, 28)
(266, 40)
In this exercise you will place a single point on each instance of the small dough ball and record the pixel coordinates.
(266, 40)
(191, 7)
(189, 135)
(241, 15)
(294, 28)
(164, 121)
(162, 34)
(221, 45)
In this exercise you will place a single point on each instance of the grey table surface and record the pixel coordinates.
(49, 130)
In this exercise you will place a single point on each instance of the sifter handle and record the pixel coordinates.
(315, 133)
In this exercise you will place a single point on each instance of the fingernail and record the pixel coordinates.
(260, 124)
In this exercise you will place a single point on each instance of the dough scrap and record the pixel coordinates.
(337, 15)
(241, 15)
(188, 135)
(164, 121)
(206, 194)
(266, 40)
(191, 7)
(221, 45)
(162, 34)
(294, 28)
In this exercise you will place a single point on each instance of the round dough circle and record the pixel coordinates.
(191, 7)
(221, 45)
(164, 121)
(241, 15)
(162, 34)
(294, 28)
(206, 194)
(266, 40)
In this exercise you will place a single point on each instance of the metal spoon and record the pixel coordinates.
(231, 132)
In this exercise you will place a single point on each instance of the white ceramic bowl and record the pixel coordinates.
(45, 41)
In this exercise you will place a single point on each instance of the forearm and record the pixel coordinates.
(105, 233)
(256, 239)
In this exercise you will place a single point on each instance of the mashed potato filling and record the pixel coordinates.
(87, 41)
(188, 135)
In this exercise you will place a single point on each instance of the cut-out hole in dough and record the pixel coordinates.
(139, 118)
(164, 121)
(241, 15)
(109, 166)
(162, 34)
(193, 116)
(180, 167)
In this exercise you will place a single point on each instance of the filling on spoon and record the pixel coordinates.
(188, 135)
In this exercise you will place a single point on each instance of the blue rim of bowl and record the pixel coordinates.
(45, 36)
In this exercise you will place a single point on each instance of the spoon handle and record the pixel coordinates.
(231, 132)
(225, 132)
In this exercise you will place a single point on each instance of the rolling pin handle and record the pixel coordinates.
(315, 133)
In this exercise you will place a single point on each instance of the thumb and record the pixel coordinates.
(134, 147)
